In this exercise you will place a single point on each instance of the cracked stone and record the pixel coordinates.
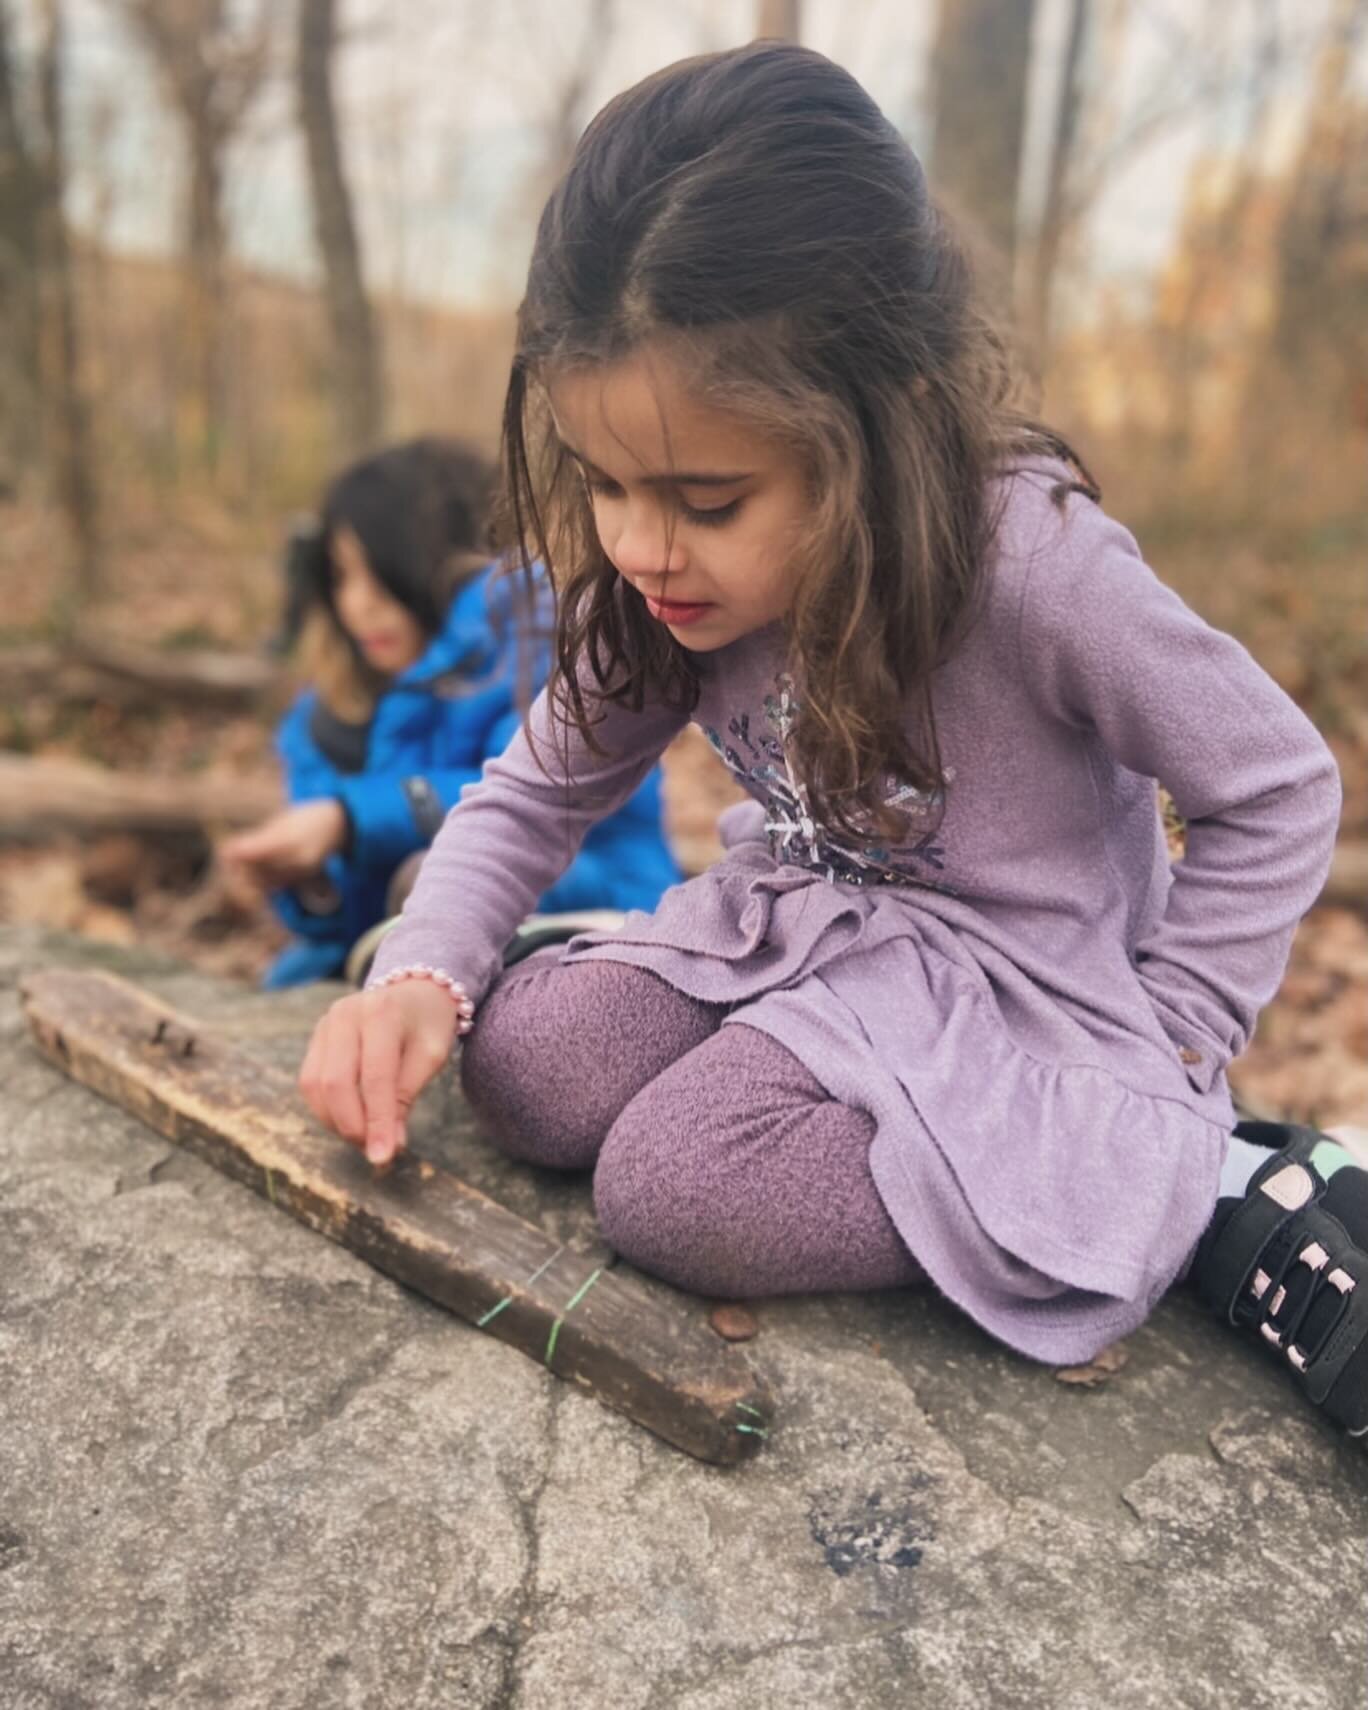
(242, 1468)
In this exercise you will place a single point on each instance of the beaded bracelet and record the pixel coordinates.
(453, 988)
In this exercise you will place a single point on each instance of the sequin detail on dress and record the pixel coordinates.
(766, 770)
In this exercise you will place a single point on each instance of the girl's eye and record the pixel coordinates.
(713, 518)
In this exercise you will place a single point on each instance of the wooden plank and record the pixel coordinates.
(650, 1357)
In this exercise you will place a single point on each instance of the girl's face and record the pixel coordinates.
(694, 508)
(387, 633)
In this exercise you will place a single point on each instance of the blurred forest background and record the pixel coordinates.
(242, 240)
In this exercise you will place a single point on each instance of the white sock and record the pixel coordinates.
(1241, 1160)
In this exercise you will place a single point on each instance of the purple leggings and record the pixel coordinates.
(719, 1162)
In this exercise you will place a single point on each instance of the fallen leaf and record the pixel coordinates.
(733, 1323)
(1098, 1369)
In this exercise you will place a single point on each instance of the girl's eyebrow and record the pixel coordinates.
(679, 478)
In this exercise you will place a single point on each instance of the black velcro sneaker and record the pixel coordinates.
(1288, 1263)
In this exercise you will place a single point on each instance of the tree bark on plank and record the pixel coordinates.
(646, 1353)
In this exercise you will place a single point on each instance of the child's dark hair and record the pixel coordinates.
(421, 511)
(755, 214)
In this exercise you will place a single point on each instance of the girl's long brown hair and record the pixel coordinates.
(754, 215)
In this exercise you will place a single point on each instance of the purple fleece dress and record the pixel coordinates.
(1033, 1006)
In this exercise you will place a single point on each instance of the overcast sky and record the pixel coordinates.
(444, 104)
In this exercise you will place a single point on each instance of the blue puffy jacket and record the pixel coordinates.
(433, 730)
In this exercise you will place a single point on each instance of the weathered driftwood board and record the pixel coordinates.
(656, 1361)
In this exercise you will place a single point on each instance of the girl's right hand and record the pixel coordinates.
(370, 1057)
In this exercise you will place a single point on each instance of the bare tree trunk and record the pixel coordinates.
(780, 18)
(212, 71)
(74, 462)
(1043, 261)
(1317, 340)
(569, 117)
(1216, 248)
(359, 396)
(980, 62)
(20, 201)
(1316, 220)
(206, 253)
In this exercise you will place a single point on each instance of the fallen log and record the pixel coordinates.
(642, 1351)
(128, 675)
(38, 797)
(30, 672)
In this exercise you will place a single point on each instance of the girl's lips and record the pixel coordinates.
(677, 611)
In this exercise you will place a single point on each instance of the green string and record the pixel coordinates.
(755, 1413)
(569, 1307)
(498, 1307)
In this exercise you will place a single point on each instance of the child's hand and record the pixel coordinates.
(370, 1057)
(288, 847)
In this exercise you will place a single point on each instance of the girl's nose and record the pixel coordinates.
(645, 544)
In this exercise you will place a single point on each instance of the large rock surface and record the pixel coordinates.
(240, 1468)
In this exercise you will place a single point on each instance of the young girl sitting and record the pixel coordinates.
(943, 1007)
(412, 644)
